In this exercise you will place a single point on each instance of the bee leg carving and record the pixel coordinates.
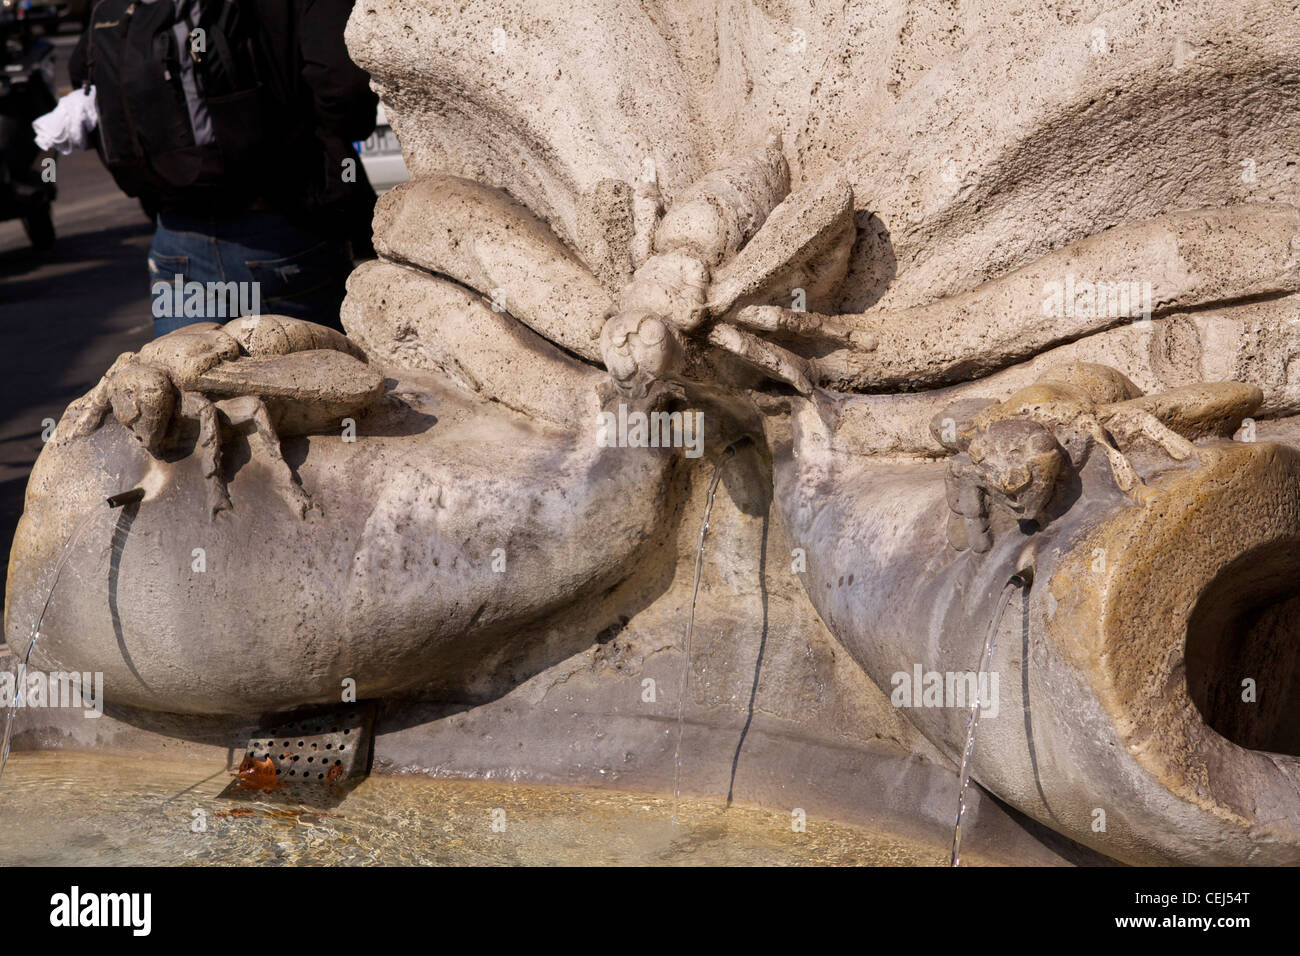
(251, 409)
(1129, 424)
(1126, 478)
(208, 448)
(968, 525)
(781, 321)
(778, 363)
(85, 415)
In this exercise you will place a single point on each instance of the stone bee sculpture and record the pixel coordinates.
(1013, 455)
(743, 280)
(733, 242)
(282, 376)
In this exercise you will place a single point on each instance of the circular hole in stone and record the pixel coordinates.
(1244, 623)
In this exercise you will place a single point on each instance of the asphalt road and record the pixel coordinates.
(65, 315)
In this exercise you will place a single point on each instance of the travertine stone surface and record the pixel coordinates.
(969, 291)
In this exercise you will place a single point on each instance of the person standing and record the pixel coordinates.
(234, 120)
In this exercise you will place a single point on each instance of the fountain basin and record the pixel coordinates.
(84, 809)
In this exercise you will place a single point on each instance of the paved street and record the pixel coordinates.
(66, 315)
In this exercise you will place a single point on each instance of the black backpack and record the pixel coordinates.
(188, 98)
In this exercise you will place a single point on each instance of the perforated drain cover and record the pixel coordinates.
(311, 757)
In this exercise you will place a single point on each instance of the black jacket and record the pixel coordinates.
(332, 105)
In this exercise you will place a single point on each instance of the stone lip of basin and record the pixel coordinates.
(1102, 718)
(443, 530)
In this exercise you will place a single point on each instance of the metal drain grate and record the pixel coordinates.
(311, 757)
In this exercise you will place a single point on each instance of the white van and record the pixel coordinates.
(381, 155)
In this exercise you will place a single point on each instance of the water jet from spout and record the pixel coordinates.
(727, 453)
(1021, 579)
(122, 498)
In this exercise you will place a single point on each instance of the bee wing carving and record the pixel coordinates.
(324, 377)
(807, 223)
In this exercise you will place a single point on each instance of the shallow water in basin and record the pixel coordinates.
(85, 809)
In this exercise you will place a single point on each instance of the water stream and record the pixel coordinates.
(690, 626)
(116, 501)
(982, 681)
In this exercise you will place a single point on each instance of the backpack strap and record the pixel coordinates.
(89, 34)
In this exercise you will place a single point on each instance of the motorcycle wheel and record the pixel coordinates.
(39, 226)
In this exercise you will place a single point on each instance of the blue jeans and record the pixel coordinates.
(248, 264)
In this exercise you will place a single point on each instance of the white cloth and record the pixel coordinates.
(68, 126)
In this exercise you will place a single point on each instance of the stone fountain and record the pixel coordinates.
(970, 293)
